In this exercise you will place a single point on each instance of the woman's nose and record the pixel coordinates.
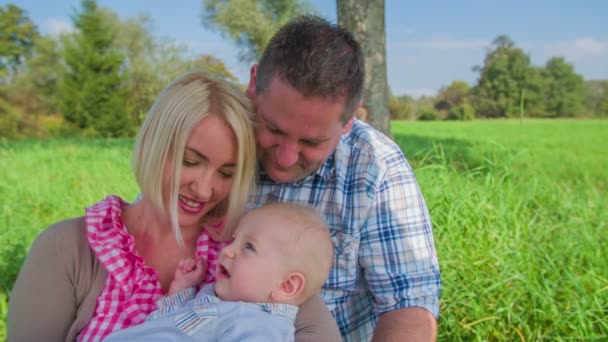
(203, 187)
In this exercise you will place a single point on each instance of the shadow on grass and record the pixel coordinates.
(460, 154)
(12, 256)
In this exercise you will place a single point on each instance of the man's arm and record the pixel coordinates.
(408, 324)
(398, 255)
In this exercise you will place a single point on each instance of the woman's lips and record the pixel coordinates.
(189, 205)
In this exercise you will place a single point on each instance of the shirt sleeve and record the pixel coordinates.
(397, 250)
(42, 304)
(314, 322)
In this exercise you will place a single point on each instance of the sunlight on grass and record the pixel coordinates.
(519, 214)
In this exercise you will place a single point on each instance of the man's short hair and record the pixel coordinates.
(318, 59)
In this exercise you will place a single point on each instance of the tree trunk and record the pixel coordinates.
(365, 19)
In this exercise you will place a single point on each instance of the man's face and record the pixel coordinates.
(295, 135)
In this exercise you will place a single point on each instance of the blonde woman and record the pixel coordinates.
(194, 161)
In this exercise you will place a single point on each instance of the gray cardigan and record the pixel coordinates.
(57, 289)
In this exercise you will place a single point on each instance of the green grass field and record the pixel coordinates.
(520, 214)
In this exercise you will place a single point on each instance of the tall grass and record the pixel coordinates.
(519, 214)
(42, 182)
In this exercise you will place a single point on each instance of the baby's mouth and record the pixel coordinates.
(224, 272)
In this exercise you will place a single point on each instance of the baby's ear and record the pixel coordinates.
(289, 289)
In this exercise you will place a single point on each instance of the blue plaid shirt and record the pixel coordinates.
(384, 250)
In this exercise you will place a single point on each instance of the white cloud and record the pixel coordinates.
(415, 92)
(444, 44)
(578, 49)
(57, 27)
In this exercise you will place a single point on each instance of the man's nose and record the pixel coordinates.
(287, 154)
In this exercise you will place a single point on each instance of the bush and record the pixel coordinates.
(10, 118)
(428, 114)
(399, 108)
(463, 111)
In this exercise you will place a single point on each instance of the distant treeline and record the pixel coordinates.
(97, 80)
(510, 86)
(101, 78)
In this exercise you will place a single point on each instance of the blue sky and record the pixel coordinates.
(429, 43)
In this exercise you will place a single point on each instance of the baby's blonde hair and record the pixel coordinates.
(308, 248)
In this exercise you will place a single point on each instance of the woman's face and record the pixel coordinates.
(209, 163)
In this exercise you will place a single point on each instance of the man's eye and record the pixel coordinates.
(311, 143)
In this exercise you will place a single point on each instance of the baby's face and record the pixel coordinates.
(252, 266)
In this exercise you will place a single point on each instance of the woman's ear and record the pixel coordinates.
(289, 289)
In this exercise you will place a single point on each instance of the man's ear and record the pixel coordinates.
(348, 125)
(289, 289)
(250, 92)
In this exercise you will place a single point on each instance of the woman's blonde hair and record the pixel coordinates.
(163, 136)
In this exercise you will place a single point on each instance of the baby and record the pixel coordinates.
(281, 255)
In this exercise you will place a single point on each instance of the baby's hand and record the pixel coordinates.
(189, 273)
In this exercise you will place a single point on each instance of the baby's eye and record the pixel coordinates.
(249, 246)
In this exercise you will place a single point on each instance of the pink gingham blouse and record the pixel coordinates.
(132, 288)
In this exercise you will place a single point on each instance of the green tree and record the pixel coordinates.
(462, 111)
(504, 79)
(17, 35)
(10, 120)
(564, 90)
(453, 95)
(365, 19)
(151, 62)
(35, 88)
(400, 107)
(212, 66)
(93, 96)
(597, 97)
(602, 109)
(427, 114)
(251, 23)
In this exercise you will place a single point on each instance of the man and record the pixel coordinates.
(307, 87)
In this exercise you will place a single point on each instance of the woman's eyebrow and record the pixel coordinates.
(199, 154)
